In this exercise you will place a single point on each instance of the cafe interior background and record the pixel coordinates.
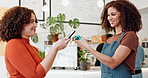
(88, 12)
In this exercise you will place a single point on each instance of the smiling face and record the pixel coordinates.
(30, 28)
(113, 17)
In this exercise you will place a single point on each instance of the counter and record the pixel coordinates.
(145, 72)
(94, 73)
(73, 74)
(67, 73)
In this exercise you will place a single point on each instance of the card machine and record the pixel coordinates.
(77, 37)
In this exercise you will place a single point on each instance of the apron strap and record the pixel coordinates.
(121, 35)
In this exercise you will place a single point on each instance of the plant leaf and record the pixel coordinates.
(35, 38)
(52, 20)
(43, 25)
(61, 17)
(74, 24)
(49, 37)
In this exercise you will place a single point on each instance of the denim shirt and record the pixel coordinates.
(139, 57)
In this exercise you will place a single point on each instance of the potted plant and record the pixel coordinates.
(83, 59)
(56, 26)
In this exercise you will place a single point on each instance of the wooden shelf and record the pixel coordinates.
(93, 42)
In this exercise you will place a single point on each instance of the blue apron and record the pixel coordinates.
(120, 71)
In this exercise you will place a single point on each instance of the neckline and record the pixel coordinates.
(119, 33)
(25, 40)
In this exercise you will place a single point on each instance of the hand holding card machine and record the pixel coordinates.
(69, 36)
(77, 37)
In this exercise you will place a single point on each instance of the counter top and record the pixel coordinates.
(95, 72)
(73, 74)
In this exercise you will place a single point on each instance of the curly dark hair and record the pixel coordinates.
(130, 18)
(12, 22)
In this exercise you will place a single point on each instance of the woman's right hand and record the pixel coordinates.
(61, 43)
(82, 43)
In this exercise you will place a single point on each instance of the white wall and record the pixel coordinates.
(9, 3)
(85, 30)
(89, 30)
(144, 32)
(140, 3)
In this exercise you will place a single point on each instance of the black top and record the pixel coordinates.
(99, 49)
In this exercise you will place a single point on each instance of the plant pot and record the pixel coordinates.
(83, 65)
(47, 42)
(54, 38)
(88, 66)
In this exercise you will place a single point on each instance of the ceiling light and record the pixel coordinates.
(100, 3)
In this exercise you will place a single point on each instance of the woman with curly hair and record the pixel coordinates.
(119, 52)
(22, 59)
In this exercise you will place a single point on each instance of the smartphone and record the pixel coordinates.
(69, 36)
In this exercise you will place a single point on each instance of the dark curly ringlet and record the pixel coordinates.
(12, 22)
(130, 18)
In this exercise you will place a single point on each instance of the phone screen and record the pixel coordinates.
(69, 36)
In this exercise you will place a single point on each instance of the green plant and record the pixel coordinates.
(35, 38)
(83, 59)
(56, 25)
(83, 55)
(42, 54)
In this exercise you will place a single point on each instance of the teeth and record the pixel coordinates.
(111, 22)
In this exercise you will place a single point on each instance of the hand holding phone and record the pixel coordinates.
(69, 36)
